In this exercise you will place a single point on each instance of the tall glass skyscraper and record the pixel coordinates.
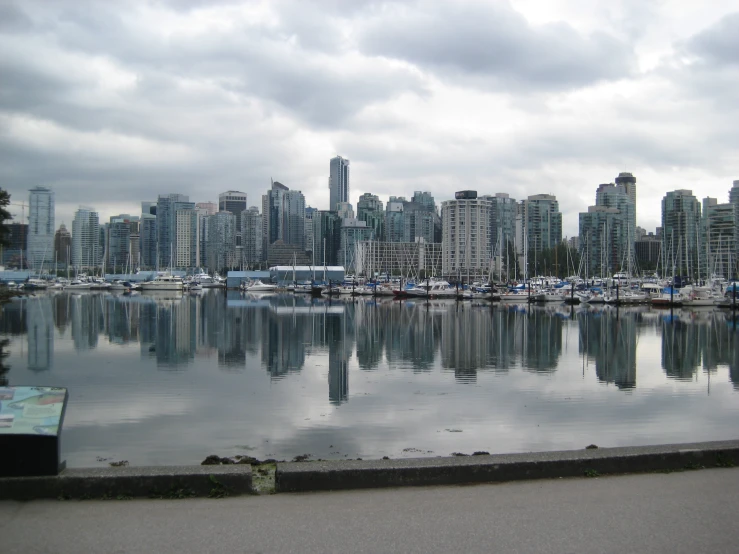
(41, 228)
(338, 181)
(86, 252)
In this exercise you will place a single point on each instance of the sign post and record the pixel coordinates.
(30, 425)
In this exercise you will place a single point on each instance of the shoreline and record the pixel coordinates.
(217, 481)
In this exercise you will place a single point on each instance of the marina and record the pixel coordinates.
(171, 377)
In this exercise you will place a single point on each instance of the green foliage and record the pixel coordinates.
(560, 261)
(218, 490)
(591, 473)
(4, 216)
(724, 461)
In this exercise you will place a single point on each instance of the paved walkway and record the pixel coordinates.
(692, 511)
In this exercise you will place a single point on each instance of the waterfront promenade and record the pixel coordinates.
(690, 511)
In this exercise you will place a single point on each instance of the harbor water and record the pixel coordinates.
(169, 379)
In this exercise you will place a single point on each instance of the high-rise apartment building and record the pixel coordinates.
(221, 250)
(167, 206)
(602, 234)
(326, 237)
(394, 224)
(542, 223)
(41, 228)
(338, 181)
(718, 247)
(420, 220)
(681, 217)
(628, 181)
(309, 228)
(466, 242)
(371, 210)
(283, 212)
(211, 208)
(353, 231)
(251, 236)
(148, 241)
(345, 210)
(86, 251)
(120, 229)
(63, 245)
(187, 243)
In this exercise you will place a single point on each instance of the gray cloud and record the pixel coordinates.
(492, 42)
(719, 44)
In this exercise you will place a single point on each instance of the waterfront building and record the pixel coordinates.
(327, 237)
(309, 228)
(187, 243)
(338, 182)
(283, 212)
(716, 253)
(411, 260)
(542, 223)
(628, 181)
(251, 237)
(86, 251)
(394, 219)
(370, 210)
(203, 213)
(681, 217)
(14, 251)
(167, 206)
(221, 249)
(602, 231)
(353, 231)
(620, 255)
(41, 228)
(148, 241)
(63, 246)
(466, 240)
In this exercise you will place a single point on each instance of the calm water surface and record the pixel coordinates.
(170, 379)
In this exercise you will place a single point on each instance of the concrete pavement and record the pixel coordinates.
(690, 511)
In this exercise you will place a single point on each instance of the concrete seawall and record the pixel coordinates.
(342, 475)
(221, 480)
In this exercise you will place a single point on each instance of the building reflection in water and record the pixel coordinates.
(283, 334)
(610, 342)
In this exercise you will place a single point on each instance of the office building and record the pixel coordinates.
(309, 228)
(628, 181)
(338, 182)
(718, 247)
(353, 231)
(41, 228)
(120, 230)
(602, 231)
(421, 222)
(210, 208)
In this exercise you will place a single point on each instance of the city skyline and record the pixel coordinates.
(111, 104)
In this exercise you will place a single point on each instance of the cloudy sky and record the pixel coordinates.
(112, 103)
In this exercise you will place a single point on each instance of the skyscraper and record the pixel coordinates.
(309, 228)
(148, 241)
(119, 240)
(221, 249)
(63, 245)
(41, 228)
(394, 219)
(338, 181)
(420, 220)
(86, 252)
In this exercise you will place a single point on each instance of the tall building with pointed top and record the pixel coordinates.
(338, 181)
(41, 228)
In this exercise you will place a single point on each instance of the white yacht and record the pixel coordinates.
(258, 286)
(163, 282)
